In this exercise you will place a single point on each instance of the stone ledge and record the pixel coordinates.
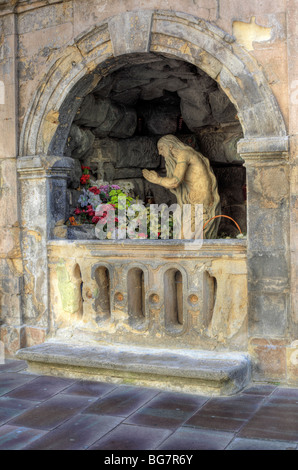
(190, 371)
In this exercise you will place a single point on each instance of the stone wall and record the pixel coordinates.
(47, 43)
(117, 127)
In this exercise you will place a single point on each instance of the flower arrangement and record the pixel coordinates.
(95, 194)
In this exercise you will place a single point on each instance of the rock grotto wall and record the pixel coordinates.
(116, 129)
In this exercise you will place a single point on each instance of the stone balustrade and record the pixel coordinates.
(163, 293)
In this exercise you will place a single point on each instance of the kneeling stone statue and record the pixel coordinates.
(190, 178)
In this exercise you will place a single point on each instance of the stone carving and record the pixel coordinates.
(190, 178)
(152, 296)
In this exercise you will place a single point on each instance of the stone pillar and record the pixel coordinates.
(268, 253)
(43, 183)
(11, 331)
(292, 46)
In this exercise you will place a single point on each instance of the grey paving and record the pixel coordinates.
(52, 413)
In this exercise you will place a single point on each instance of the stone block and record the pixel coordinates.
(34, 335)
(75, 176)
(36, 45)
(269, 359)
(127, 173)
(222, 108)
(126, 127)
(13, 338)
(8, 112)
(106, 117)
(161, 118)
(80, 142)
(11, 308)
(189, 110)
(294, 212)
(9, 242)
(81, 232)
(268, 314)
(138, 152)
(7, 48)
(120, 30)
(187, 371)
(268, 186)
(8, 192)
(268, 229)
(270, 266)
(57, 201)
(127, 97)
(48, 16)
(292, 363)
(7, 25)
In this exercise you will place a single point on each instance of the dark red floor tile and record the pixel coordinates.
(285, 393)
(226, 413)
(52, 412)
(197, 439)
(16, 438)
(12, 380)
(168, 410)
(11, 407)
(130, 437)
(40, 388)
(277, 419)
(255, 444)
(78, 433)
(263, 390)
(13, 366)
(121, 402)
(90, 389)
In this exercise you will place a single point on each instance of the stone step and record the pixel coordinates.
(188, 371)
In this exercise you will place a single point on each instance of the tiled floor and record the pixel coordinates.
(49, 413)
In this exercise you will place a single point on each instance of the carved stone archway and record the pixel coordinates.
(76, 71)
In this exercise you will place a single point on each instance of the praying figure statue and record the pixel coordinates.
(191, 179)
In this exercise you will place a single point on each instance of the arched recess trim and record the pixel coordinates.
(77, 69)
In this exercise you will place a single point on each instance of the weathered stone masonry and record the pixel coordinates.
(52, 56)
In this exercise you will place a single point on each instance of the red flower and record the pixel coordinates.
(77, 211)
(95, 219)
(94, 190)
(85, 167)
(85, 179)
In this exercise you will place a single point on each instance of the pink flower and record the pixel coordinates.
(90, 211)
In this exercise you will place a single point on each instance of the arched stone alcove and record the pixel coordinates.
(76, 71)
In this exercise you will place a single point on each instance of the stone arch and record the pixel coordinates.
(77, 70)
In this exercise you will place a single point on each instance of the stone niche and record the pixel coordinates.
(117, 127)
